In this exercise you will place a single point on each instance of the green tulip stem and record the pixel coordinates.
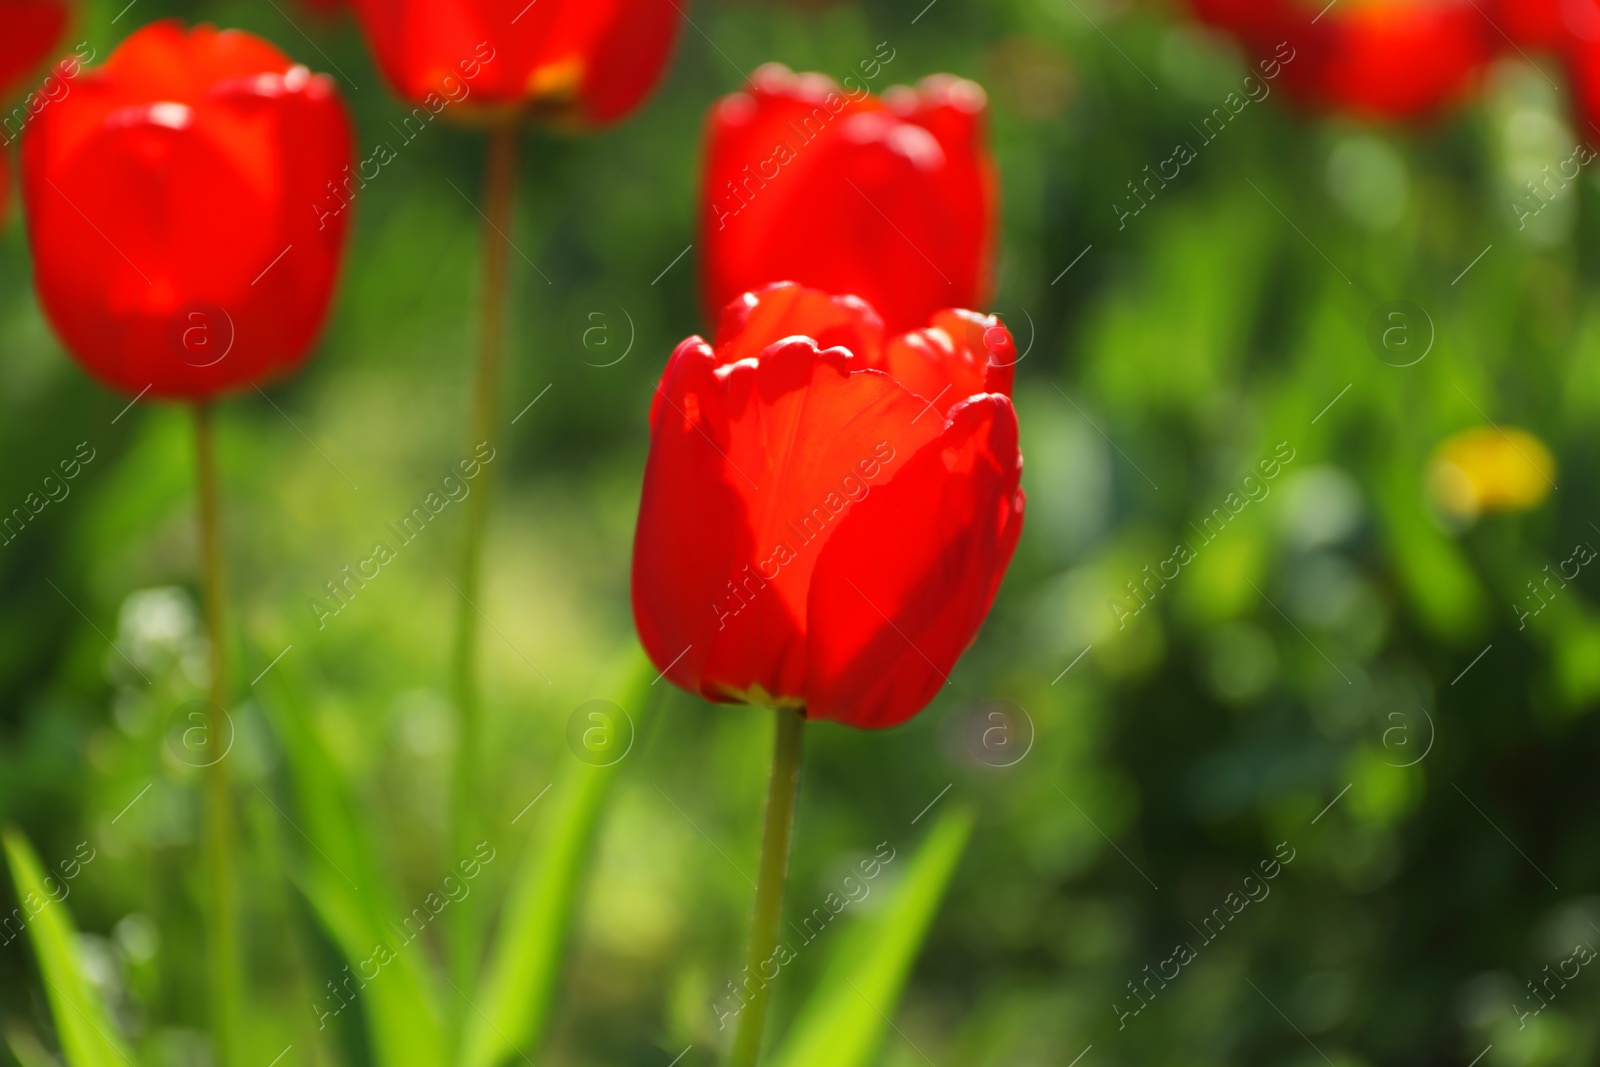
(776, 836)
(221, 920)
(499, 193)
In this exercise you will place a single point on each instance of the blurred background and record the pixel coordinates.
(1347, 676)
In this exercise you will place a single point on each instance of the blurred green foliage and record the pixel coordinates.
(1274, 692)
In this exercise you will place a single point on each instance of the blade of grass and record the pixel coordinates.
(518, 992)
(348, 891)
(82, 1023)
(843, 1021)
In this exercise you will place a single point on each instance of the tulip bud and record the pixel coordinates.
(171, 206)
(891, 199)
(826, 527)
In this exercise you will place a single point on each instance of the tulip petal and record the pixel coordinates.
(690, 530)
(162, 62)
(902, 588)
(171, 62)
(753, 467)
(768, 315)
(961, 355)
(626, 54)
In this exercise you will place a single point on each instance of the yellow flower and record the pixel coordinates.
(1490, 468)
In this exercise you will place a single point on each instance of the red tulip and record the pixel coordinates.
(827, 511)
(894, 200)
(576, 61)
(171, 208)
(32, 30)
(1397, 60)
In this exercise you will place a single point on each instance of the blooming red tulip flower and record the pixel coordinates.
(894, 199)
(170, 203)
(828, 509)
(583, 62)
(1381, 60)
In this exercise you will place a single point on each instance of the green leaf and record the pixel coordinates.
(845, 1018)
(348, 890)
(518, 992)
(82, 1023)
